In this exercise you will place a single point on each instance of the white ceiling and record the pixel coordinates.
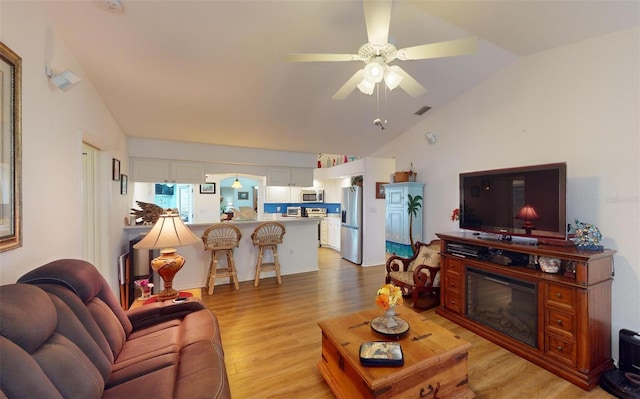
(214, 71)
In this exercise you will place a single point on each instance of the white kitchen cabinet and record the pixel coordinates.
(397, 239)
(296, 194)
(166, 171)
(300, 177)
(332, 191)
(324, 232)
(334, 233)
(277, 194)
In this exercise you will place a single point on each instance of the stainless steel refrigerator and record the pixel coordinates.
(351, 228)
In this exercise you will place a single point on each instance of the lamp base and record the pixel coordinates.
(167, 265)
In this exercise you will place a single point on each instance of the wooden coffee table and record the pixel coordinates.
(435, 359)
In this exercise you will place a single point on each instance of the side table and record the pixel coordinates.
(196, 292)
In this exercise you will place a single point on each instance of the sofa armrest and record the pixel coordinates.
(158, 312)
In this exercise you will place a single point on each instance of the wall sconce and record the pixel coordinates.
(64, 80)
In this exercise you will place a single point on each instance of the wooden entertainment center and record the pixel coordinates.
(572, 333)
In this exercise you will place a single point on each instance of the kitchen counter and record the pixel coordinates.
(297, 254)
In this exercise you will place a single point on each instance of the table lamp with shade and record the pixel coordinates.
(527, 213)
(166, 234)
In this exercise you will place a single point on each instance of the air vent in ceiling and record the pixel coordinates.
(422, 110)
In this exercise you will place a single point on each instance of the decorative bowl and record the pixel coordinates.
(549, 265)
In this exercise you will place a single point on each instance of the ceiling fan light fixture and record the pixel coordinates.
(374, 70)
(366, 87)
(391, 78)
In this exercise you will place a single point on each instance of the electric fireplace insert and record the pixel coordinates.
(505, 304)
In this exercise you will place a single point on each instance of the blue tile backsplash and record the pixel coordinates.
(332, 208)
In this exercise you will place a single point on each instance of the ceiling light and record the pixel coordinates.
(374, 71)
(392, 78)
(366, 87)
(236, 184)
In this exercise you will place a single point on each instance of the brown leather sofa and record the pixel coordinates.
(64, 335)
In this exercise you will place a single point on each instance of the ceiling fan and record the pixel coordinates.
(378, 53)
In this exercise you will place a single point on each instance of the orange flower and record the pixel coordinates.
(389, 296)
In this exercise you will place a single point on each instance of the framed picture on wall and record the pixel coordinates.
(243, 195)
(124, 183)
(115, 169)
(208, 188)
(380, 190)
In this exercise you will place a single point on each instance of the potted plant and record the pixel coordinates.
(413, 205)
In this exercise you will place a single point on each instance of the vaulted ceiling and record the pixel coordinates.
(215, 71)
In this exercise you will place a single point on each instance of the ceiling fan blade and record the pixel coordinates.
(409, 84)
(377, 15)
(442, 49)
(348, 87)
(321, 57)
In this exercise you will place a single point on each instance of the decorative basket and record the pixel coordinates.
(401, 177)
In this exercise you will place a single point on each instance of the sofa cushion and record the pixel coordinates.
(427, 255)
(37, 359)
(83, 279)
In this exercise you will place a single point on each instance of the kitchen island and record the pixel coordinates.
(297, 254)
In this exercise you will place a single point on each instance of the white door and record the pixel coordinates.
(90, 248)
(184, 202)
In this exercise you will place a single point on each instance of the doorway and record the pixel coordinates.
(90, 242)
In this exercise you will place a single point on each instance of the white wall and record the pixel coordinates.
(54, 124)
(578, 103)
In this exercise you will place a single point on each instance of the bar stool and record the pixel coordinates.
(220, 239)
(267, 236)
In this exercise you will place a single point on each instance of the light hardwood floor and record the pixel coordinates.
(272, 341)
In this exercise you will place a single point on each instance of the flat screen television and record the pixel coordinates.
(527, 201)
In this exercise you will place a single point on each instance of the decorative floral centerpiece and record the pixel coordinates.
(145, 287)
(455, 215)
(389, 296)
(587, 236)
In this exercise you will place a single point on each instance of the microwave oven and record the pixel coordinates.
(307, 196)
(294, 211)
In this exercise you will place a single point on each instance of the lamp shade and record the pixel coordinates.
(168, 232)
(366, 87)
(392, 78)
(527, 213)
(236, 184)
